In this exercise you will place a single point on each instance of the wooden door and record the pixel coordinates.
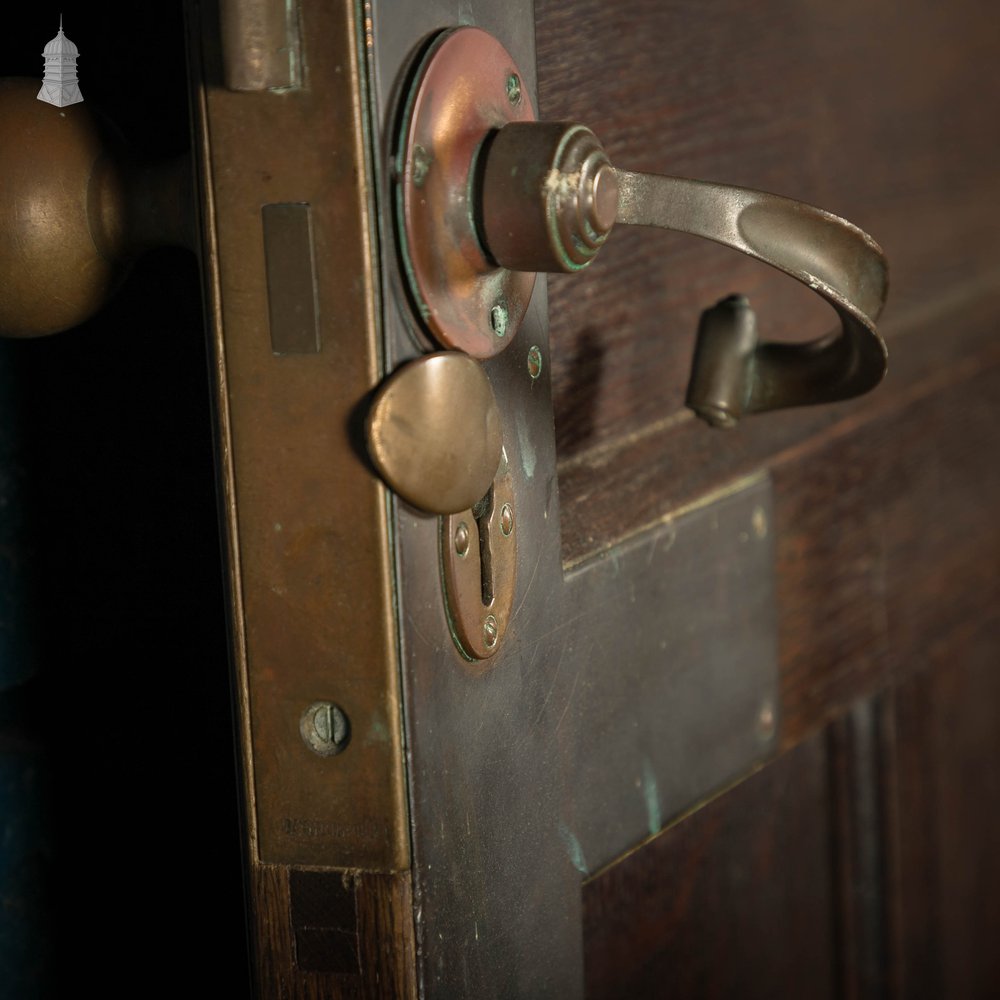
(860, 860)
(739, 738)
(730, 744)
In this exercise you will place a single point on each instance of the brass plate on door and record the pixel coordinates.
(310, 591)
(479, 568)
(467, 86)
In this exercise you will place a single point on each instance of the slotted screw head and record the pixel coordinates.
(514, 89)
(490, 631)
(325, 728)
(498, 320)
(534, 361)
(507, 519)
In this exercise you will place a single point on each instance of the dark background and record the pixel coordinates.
(118, 799)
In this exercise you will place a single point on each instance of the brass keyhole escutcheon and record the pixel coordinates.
(479, 559)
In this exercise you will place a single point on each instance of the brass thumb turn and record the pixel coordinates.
(434, 434)
(550, 197)
(74, 210)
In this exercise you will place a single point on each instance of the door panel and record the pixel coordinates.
(719, 753)
(947, 814)
(873, 113)
(696, 911)
(884, 538)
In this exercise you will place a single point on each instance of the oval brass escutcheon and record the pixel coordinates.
(434, 432)
(479, 562)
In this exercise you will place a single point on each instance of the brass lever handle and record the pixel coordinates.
(550, 197)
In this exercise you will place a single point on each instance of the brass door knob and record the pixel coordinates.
(487, 196)
(433, 432)
(75, 208)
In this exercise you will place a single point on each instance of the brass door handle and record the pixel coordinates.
(550, 197)
(486, 196)
(74, 210)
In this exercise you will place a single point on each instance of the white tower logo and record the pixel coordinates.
(59, 86)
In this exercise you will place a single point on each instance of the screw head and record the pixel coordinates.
(534, 361)
(766, 721)
(462, 539)
(498, 320)
(514, 89)
(490, 631)
(759, 521)
(325, 728)
(421, 165)
(506, 519)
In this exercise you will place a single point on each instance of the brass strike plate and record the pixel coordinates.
(479, 563)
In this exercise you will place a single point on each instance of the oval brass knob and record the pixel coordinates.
(434, 432)
(74, 209)
(550, 197)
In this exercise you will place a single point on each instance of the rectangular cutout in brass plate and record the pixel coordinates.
(291, 278)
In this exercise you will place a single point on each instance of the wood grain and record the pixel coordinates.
(887, 543)
(946, 796)
(874, 113)
(357, 942)
(710, 908)
(884, 515)
(855, 753)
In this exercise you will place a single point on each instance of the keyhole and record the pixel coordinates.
(483, 513)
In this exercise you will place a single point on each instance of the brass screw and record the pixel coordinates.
(490, 631)
(421, 165)
(462, 539)
(759, 521)
(498, 320)
(534, 361)
(507, 519)
(514, 89)
(325, 728)
(766, 721)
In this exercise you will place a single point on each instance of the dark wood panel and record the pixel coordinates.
(610, 491)
(855, 743)
(947, 817)
(875, 113)
(888, 543)
(737, 900)
(330, 935)
(885, 517)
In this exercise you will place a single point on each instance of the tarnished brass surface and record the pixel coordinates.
(260, 44)
(463, 90)
(732, 374)
(549, 198)
(479, 561)
(73, 210)
(434, 432)
(310, 583)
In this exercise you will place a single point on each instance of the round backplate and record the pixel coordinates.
(466, 87)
